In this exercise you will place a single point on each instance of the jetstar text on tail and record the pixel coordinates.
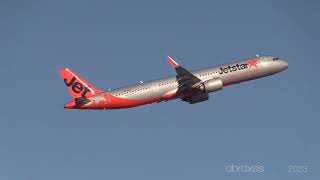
(77, 87)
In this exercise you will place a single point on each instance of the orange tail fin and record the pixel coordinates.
(77, 86)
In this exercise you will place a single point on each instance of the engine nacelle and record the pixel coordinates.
(212, 85)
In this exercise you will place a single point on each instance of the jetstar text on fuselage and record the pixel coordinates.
(233, 68)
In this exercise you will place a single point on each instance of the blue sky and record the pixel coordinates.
(272, 122)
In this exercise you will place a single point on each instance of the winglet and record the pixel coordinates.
(173, 63)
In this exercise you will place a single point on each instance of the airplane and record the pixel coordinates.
(189, 86)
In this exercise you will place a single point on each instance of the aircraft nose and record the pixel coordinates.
(283, 64)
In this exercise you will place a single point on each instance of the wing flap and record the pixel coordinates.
(200, 97)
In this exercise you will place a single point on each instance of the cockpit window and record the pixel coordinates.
(275, 58)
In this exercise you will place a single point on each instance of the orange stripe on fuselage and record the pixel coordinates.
(117, 102)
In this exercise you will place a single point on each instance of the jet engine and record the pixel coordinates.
(211, 85)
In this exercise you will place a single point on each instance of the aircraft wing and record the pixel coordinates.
(186, 80)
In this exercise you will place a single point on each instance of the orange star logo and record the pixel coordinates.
(252, 62)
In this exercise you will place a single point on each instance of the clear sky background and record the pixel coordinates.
(272, 122)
